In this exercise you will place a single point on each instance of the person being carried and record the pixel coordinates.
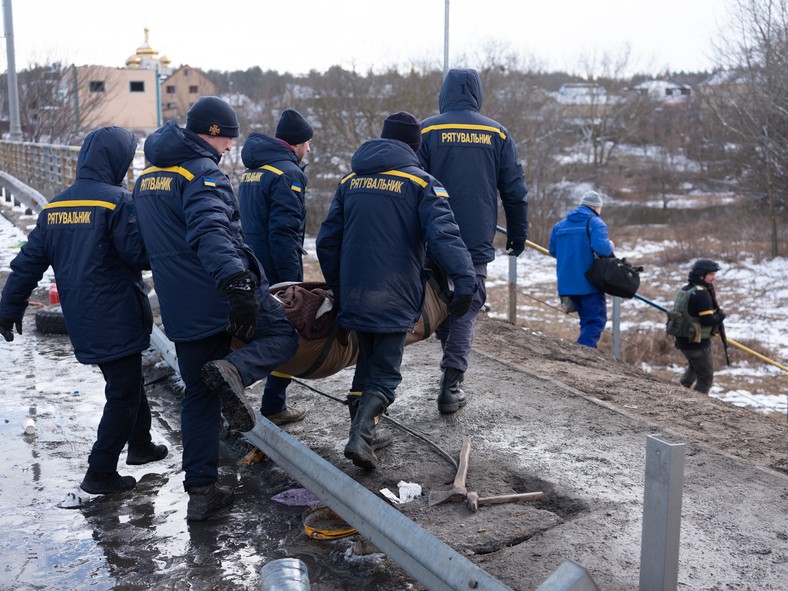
(272, 198)
(695, 301)
(385, 217)
(88, 234)
(573, 242)
(476, 159)
(211, 288)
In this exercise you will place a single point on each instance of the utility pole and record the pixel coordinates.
(446, 41)
(15, 130)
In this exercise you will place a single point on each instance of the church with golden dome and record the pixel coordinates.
(141, 95)
(148, 58)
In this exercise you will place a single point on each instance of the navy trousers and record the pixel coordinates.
(379, 362)
(456, 334)
(274, 342)
(126, 417)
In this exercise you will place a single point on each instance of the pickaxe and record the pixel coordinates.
(458, 490)
(474, 501)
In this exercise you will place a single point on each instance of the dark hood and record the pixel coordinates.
(261, 149)
(106, 155)
(170, 145)
(379, 155)
(461, 89)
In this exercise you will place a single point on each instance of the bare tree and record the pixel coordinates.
(48, 110)
(752, 101)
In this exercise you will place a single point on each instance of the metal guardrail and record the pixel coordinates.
(15, 190)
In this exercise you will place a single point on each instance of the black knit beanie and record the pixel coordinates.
(210, 115)
(293, 128)
(404, 127)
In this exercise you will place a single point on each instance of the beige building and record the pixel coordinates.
(141, 96)
(181, 89)
(117, 96)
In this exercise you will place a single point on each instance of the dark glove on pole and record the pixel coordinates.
(515, 247)
(244, 305)
(459, 304)
(7, 328)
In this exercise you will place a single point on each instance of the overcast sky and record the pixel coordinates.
(299, 36)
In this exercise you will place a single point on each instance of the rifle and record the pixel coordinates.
(723, 338)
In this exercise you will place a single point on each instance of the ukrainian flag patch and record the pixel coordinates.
(441, 192)
(208, 182)
(296, 188)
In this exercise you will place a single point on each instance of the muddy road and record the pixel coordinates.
(544, 415)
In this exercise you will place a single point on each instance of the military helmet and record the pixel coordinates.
(701, 268)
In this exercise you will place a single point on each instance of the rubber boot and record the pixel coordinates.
(380, 439)
(223, 378)
(150, 453)
(451, 398)
(362, 430)
(102, 483)
(207, 501)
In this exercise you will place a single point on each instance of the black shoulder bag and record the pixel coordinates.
(612, 275)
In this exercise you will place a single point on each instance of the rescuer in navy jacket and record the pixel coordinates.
(372, 247)
(272, 196)
(89, 235)
(476, 159)
(210, 288)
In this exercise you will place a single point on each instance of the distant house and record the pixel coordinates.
(181, 89)
(116, 96)
(664, 91)
(581, 93)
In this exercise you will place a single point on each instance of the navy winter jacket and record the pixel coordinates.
(571, 246)
(89, 235)
(189, 218)
(372, 244)
(475, 158)
(273, 210)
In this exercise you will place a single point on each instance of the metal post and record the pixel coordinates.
(512, 290)
(617, 327)
(15, 130)
(569, 576)
(446, 40)
(659, 547)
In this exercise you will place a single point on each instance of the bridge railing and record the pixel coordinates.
(50, 168)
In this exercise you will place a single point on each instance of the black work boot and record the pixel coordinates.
(207, 501)
(137, 456)
(222, 377)
(451, 398)
(362, 430)
(380, 439)
(103, 483)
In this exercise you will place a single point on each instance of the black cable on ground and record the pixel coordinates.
(397, 424)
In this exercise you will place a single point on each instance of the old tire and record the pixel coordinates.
(50, 320)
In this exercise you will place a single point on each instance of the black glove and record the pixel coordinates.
(244, 305)
(459, 304)
(721, 315)
(515, 247)
(7, 328)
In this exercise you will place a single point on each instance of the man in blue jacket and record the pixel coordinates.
(211, 288)
(476, 159)
(272, 197)
(372, 248)
(89, 235)
(573, 242)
